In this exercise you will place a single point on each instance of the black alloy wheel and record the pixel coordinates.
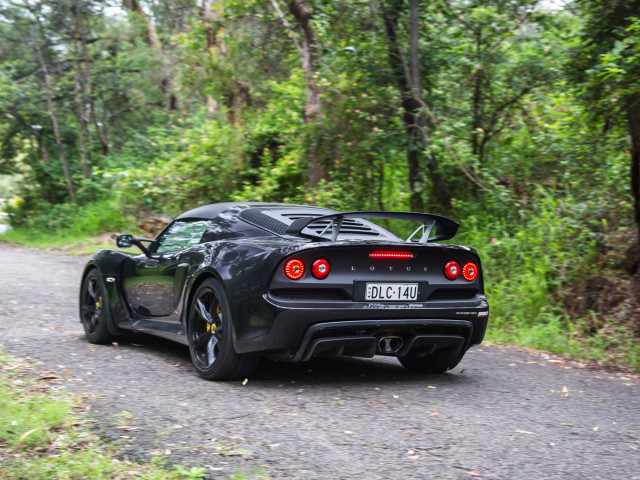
(210, 336)
(94, 309)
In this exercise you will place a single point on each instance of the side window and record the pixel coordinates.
(182, 234)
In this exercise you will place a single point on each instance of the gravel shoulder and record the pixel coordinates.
(501, 414)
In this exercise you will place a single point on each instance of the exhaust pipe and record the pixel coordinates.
(390, 344)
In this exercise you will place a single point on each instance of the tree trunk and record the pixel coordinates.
(166, 84)
(633, 115)
(301, 13)
(52, 113)
(416, 123)
(306, 50)
(81, 94)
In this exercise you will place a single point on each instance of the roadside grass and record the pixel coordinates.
(67, 244)
(44, 435)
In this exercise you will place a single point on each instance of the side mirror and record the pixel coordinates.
(124, 240)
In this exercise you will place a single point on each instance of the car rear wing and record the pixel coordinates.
(445, 228)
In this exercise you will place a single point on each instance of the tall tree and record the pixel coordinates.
(36, 45)
(606, 67)
(305, 43)
(418, 125)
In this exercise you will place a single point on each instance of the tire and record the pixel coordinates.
(210, 339)
(437, 362)
(94, 309)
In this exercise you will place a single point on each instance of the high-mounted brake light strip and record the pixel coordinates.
(390, 254)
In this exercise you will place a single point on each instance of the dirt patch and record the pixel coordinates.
(610, 300)
(153, 224)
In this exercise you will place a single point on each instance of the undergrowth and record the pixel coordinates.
(526, 268)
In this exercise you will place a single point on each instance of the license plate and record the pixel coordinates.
(391, 291)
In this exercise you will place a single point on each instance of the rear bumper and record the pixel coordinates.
(355, 329)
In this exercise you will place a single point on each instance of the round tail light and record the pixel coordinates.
(320, 268)
(294, 269)
(452, 270)
(470, 271)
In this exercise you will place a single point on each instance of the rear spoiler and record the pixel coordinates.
(445, 227)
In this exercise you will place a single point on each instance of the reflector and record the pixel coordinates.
(294, 269)
(320, 268)
(390, 254)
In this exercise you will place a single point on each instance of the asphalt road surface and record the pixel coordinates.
(501, 414)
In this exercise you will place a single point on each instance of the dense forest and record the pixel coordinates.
(520, 119)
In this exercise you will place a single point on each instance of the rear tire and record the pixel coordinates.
(94, 309)
(210, 338)
(437, 362)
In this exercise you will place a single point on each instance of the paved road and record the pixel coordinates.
(501, 414)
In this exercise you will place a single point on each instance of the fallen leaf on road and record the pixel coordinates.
(524, 431)
(244, 382)
(236, 436)
(595, 429)
(433, 414)
(473, 474)
(115, 344)
(431, 386)
(117, 357)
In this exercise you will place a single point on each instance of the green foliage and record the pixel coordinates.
(31, 421)
(68, 220)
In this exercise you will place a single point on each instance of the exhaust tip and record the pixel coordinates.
(390, 344)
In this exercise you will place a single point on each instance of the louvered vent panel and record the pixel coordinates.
(349, 225)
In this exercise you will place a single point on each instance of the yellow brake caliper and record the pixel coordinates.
(212, 328)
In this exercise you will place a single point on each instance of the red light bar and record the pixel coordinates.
(390, 254)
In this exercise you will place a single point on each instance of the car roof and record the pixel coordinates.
(211, 211)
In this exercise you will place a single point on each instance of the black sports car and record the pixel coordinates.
(240, 281)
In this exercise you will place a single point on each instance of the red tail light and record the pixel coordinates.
(470, 271)
(452, 270)
(294, 269)
(390, 254)
(320, 268)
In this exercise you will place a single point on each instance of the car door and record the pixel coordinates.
(153, 284)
